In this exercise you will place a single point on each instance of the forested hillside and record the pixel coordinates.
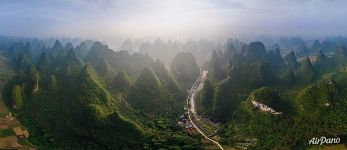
(94, 98)
(266, 100)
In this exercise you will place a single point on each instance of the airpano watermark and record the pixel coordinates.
(323, 140)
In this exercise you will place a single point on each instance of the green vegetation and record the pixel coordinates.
(6, 133)
(156, 96)
(87, 106)
(289, 77)
(121, 82)
(315, 110)
(105, 70)
(184, 69)
(57, 49)
(255, 51)
(91, 97)
(305, 72)
(270, 98)
(67, 104)
(216, 66)
(309, 97)
(205, 126)
(34, 78)
(206, 99)
(145, 94)
(17, 96)
(291, 60)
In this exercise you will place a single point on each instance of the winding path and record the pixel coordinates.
(191, 106)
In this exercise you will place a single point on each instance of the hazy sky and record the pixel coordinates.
(172, 18)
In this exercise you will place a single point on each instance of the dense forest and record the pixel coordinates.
(305, 90)
(173, 75)
(89, 96)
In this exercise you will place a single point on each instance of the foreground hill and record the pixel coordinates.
(108, 100)
(264, 106)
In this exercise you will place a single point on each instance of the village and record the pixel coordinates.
(13, 135)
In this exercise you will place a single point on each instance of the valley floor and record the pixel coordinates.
(205, 127)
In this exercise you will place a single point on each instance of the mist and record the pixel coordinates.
(176, 19)
(173, 74)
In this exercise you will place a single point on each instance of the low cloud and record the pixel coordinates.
(177, 18)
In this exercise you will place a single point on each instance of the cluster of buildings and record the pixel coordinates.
(185, 123)
(11, 133)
